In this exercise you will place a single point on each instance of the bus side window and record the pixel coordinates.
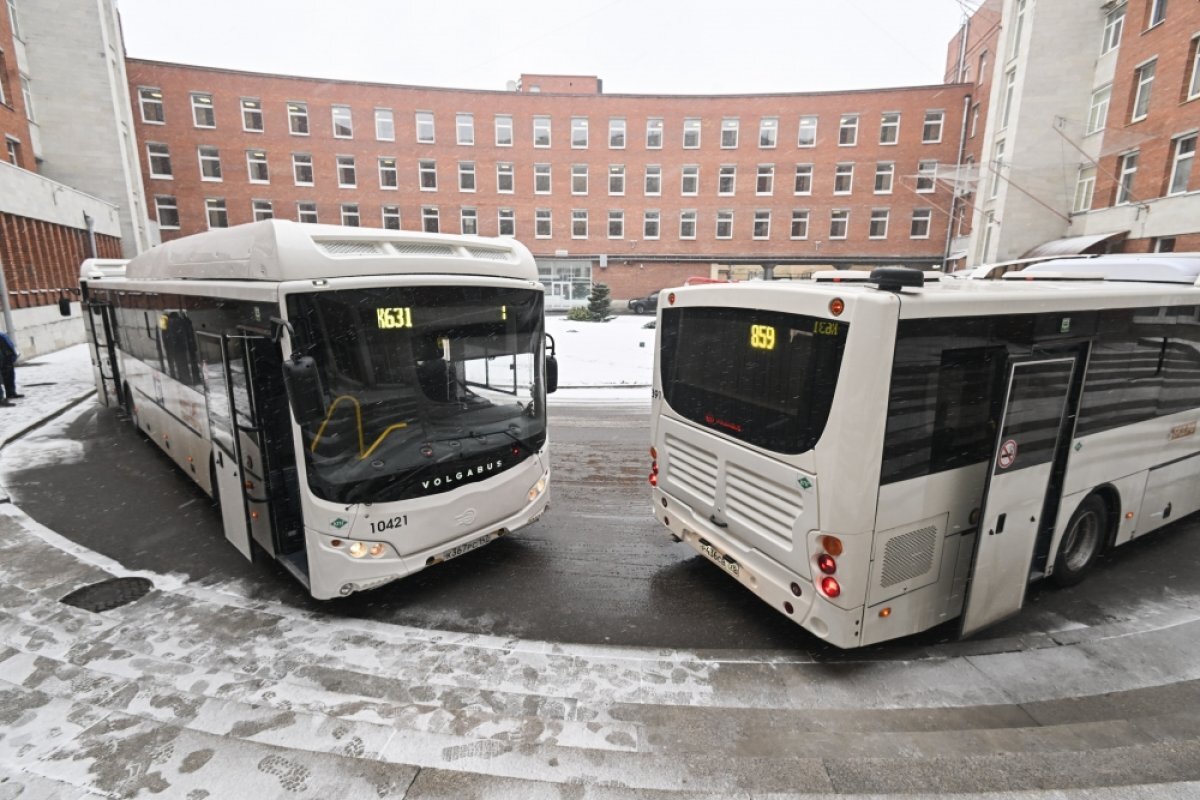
(969, 399)
(1124, 376)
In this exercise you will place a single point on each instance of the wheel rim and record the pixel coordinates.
(1081, 541)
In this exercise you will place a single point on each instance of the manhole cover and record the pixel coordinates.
(108, 594)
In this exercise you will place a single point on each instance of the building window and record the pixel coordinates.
(926, 173)
(504, 177)
(885, 171)
(389, 175)
(616, 224)
(804, 178)
(542, 226)
(765, 182)
(843, 179)
(541, 131)
(889, 128)
(12, 19)
(919, 229)
(1181, 166)
(1144, 80)
(974, 119)
(306, 212)
(997, 170)
(1114, 23)
(616, 179)
(252, 115)
(579, 132)
(729, 133)
(1018, 28)
(768, 132)
(167, 212)
(385, 131)
(541, 179)
(687, 224)
(1163, 244)
(343, 124)
(427, 175)
(429, 219)
(464, 129)
(1158, 12)
(725, 224)
(468, 221)
(262, 209)
(653, 182)
(650, 224)
(616, 134)
(391, 218)
(726, 179)
(931, 131)
(1010, 85)
(1098, 113)
(214, 211)
(159, 156)
(507, 221)
(298, 119)
(347, 177)
(839, 223)
(27, 96)
(466, 176)
(799, 224)
(350, 215)
(1194, 84)
(807, 136)
(150, 98)
(203, 115)
(689, 182)
(654, 133)
(691, 134)
(256, 165)
(302, 169)
(504, 130)
(879, 224)
(762, 224)
(848, 130)
(579, 179)
(210, 163)
(424, 122)
(1085, 187)
(579, 223)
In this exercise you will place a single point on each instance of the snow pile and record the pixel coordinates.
(615, 353)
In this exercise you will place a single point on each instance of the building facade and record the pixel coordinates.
(638, 191)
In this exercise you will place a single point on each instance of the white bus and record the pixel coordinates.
(874, 458)
(362, 404)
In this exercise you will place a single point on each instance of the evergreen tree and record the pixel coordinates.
(598, 302)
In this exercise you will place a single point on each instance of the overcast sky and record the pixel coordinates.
(635, 46)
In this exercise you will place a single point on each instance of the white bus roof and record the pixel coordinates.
(102, 268)
(1153, 267)
(279, 250)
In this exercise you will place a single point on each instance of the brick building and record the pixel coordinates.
(644, 190)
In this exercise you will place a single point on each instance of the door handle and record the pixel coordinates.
(220, 461)
(1000, 523)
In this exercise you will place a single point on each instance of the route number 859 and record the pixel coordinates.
(762, 337)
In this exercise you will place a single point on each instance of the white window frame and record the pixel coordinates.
(505, 169)
(258, 207)
(922, 217)
(212, 111)
(1157, 13)
(768, 133)
(579, 172)
(1143, 81)
(1014, 44)
(345, 162)
(887, 171)
(848, 123)
(997, 170)
(350, 216)
(1194, 78)
(1114, 26)
(504, 215)
(302, 211)
(616, 174)
(503, 122)
(341, 115)
(1085, 189)
(841, 215)
(253, 159)
(425, 130)
(540, 216)
(727, 173)
(431, 214)
(843, 170)
(761, 216)
(799, 221)
(159, 205)
(926, 176)
(766, 172)
(143, 101)
(877, 215)
(656, 176)
(214, 158)
(1010, 88)
(215, 205)
(464, 129)
(387, 212)
(691, 171)
(616, 216)
(724, 219)
(169, 175)
(650, 217)
(617, 133)
(1098, 109)
(297, 115)
(542, 123)
(579, 133)
(385, 125)
(298, 162)
(808, 122)
(540, 172)
(692, 128)
(803, 172)
(248, 113)
(579, 215)
(468, 213)
(933, 117)
(466, 170)
(687, 217)
(655, 130)
(1182, 161)
(389, 165)
(427, 167)
(889, 122)
(730, 130)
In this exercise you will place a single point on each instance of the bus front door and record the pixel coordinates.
(103, 344)
(1037, 400)
(222, 370)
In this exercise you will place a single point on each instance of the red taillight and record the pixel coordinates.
(826, 564)
(836, 306)
(654, 467)
(671, 298)
(516, 451)
(831, 587)
(654, 453)
(653, 479)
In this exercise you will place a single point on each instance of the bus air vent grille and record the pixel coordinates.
(490, 255)
(908, 556)
(761, 505)
(415, 249)
(350, 248)
(692, 469)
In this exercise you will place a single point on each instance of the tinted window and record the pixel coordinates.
(763, 377)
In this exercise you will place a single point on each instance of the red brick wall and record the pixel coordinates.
(12, 111)
(42, 259)
(560, 84)
(228, 87)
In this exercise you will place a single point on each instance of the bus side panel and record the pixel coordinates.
(1172, 491)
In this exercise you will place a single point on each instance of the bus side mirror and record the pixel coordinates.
(64, 306)
(304, 389)
(551, 374)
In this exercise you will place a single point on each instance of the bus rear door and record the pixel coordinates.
(102, 342)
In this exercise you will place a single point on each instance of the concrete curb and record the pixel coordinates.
(46, 418)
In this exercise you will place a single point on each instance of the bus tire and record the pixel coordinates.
(131, 408)
(1082, 542)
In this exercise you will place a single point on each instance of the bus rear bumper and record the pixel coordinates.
(789, 593)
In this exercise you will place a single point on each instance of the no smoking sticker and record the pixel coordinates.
(1008, 454)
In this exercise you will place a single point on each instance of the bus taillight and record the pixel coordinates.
(826, 564)
(830, 586)
(832, 545)
(836, 306)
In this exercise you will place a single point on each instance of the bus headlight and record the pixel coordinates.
(536, 490)
(358, 549)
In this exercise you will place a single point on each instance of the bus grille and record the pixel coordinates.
(692, 469)
(350, 248)
(488, 254)
(908, 556)
(418, 249)
(761, 505)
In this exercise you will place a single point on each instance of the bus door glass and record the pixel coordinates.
(101, 324)
(220, 394)
(1020, 475)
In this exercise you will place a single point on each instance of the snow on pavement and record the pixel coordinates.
(49, 383)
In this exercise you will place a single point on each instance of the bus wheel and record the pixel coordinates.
(1082, 542)
(131, 408)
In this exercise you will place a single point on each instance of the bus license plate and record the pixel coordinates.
(718, 558)
(466, 547)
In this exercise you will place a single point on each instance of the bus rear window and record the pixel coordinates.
(764, 377)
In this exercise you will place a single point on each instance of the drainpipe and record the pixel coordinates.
(8, 320)
(91, 231)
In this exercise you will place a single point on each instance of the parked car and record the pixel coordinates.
(640, 305)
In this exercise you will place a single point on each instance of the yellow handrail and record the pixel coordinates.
(363, 450)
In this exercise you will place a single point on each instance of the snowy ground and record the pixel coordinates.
(49, 382)
(603, 361)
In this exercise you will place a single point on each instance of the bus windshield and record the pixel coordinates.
(764, 377)
(426, 388)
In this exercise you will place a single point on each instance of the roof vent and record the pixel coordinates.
(351, 248)
(893, 279)
(419, 249)
(490, 255)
